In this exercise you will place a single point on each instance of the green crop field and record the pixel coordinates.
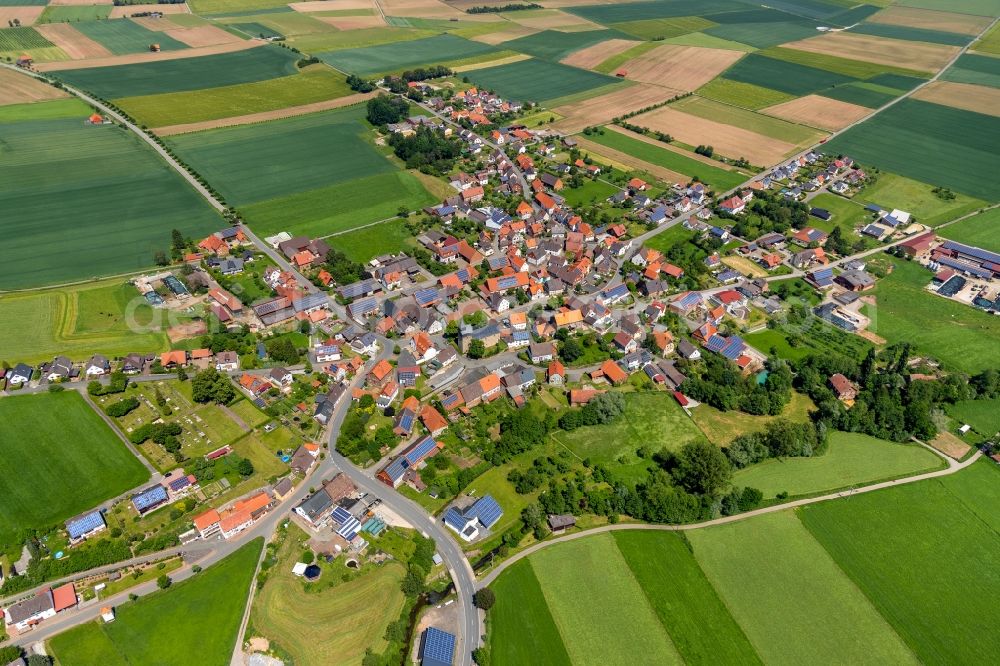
(254, 163)
(983, 415)
(654, 9)
(774, 128)
(777, 581)
(851, 460)
(709, 42)
(961, 336)
(856, 69)
(912, 34)
(201, 615)
(787, 77)
(555, 45)
(314, 84)
(68, 220)
(122, 36)
(236, 6)
(539, 80)
(981, 230)
(651, 419)
(917, 551)
(976, 7)
(893, 191)
(355, 39)
(70, 107)
(78, 321)
(23, 3)
(612, 599)
(617, 60)
(965, 146)
(990, 42)
(74, 13)
(972, 68)
(717, 177)
(165, 76)
(440, 49)
(522, 628)
(663, 27)
(699, 623)
(761, 28)
(342, 207)
(745, 95)
(57, 447)
(19, 39)
(254, 29)
(862, 93)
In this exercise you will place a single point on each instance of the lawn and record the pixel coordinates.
(329, 625)
(983, 415)
(167, 76)
(611, 600)
(653, 420)
(592, 191)
(522, 630)
(440, 49)
(539, 80)
(57, 447)
(254, 163)
(917, 551)
(745, 95)
(78, 321)
(122, 36)
(61, 211)
(315, 84)
(788, 77)
(794, 603)
(341, 207)
(965, 146)
(201, 615)
(717, 178)
(847, 214)
(893, 191)
(982, 230)
(363, 244)
(964, 338)
(851, 460)
(723, 427)
(697, 621)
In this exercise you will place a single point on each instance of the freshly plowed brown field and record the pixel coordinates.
(980, 99)
(592, 56)
(133, 58)
(816, 111)
(599, 110)
(896, 52)
(76, 45)
(680, 67)
(26, 15)
(206, 35)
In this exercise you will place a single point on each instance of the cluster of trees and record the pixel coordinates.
(353, 440)
(780, 439)
(386, 109)
(428, 150)
(342, 269)
(604, 408)
(206, 470)
(719, 383)
(520, 431)
(161, 433)
(496, 9)
(541, 470)
(117, 383)
(40, 569)
(766, 213)
(12, 653)
(122, 407)
(358, 84)
(240, 340)
(283, 350)
(210, 385)
(838, 244)
(418, 74)
(707, 151)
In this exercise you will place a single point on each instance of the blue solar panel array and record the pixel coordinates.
(406, 420)
(727, 276)
(149, 498)
(454, 519)
(508, 282)
(425, 297)
(439, 648)
(463, 275)
(180, 484)
(364, 306)
(486, 510)
(733, 348)
(958, 265)
(359, 288)
(823, 277)
(77, 527)
(420, 450)
(715, 343)
(615, 293)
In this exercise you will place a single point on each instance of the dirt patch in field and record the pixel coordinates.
(17, 89)
(206, 35)
(26, 15)
(133, 58)
(76, 45)
(928, 19)
(816, 111)
(599, 110)
(353, 22)
(492, 63)
(950, 445)
(727, 140)
(627, 162)
(513, 31)
(874, 338)
(340, 5)
(189, 330)
(129, 10)
(592, 56)
(681, 67)
(894, 52)
(980, 99)
(552, 20)
(264, 116)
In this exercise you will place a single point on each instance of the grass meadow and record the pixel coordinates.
(57, 447)
(851, 459)
(962, 337)
(723, 427)
(522, 630)
(77, 321)
(362, 244)
(539, 80)
(201, 615)
(74, 13)
(61, 210)
(745, 95)
(982, 230)
(895, 191)
(983, 415)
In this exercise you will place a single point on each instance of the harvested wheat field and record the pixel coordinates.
(816, 111)
(928, 19)
(133, 58)
(18, 89)
(552, 19)
(511, 31)
(339, 5)
(206, 35)
(125, 11)
(682, 67)
(882, 50)
(627, 162)
(264, 116)
(980, 99)
(425, 9)
(353, 22)
(599, 110)
(592, 56)
(155, 24)
(76, 45)
(726, 139)
(26, 15)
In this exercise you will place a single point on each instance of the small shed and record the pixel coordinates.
(621, 73)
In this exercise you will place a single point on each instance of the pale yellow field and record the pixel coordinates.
(551, 19)
(206, 35)
(980, 99)
(928, 19)
(593, 56)
(130, 59)
(18, 89)
(680, 67)
(599, 110)
(353, 22)
(73, 42)
(339, 5)
(26, 15)
(513, 31)
(817, 111)
(895, 52)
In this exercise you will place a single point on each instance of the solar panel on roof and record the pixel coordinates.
(486, 510)
(179, 484)
(439, 647)
(975, 270)
(425, 296)
(734, 347)
(420, 450)
(454, 519)
(149, 498)
(84, 524)
(715, 343)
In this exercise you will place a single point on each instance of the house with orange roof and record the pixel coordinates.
(547, 203)
(567, 318)
(524, 210)
(173, 359)
(433, 420)
(423, 347)
(578, 397)
(215, 245)
(611, 372)
(64, 597)
(638, 184)
(556, 373)
(207, 523)
(379, 374)
(519, 321)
